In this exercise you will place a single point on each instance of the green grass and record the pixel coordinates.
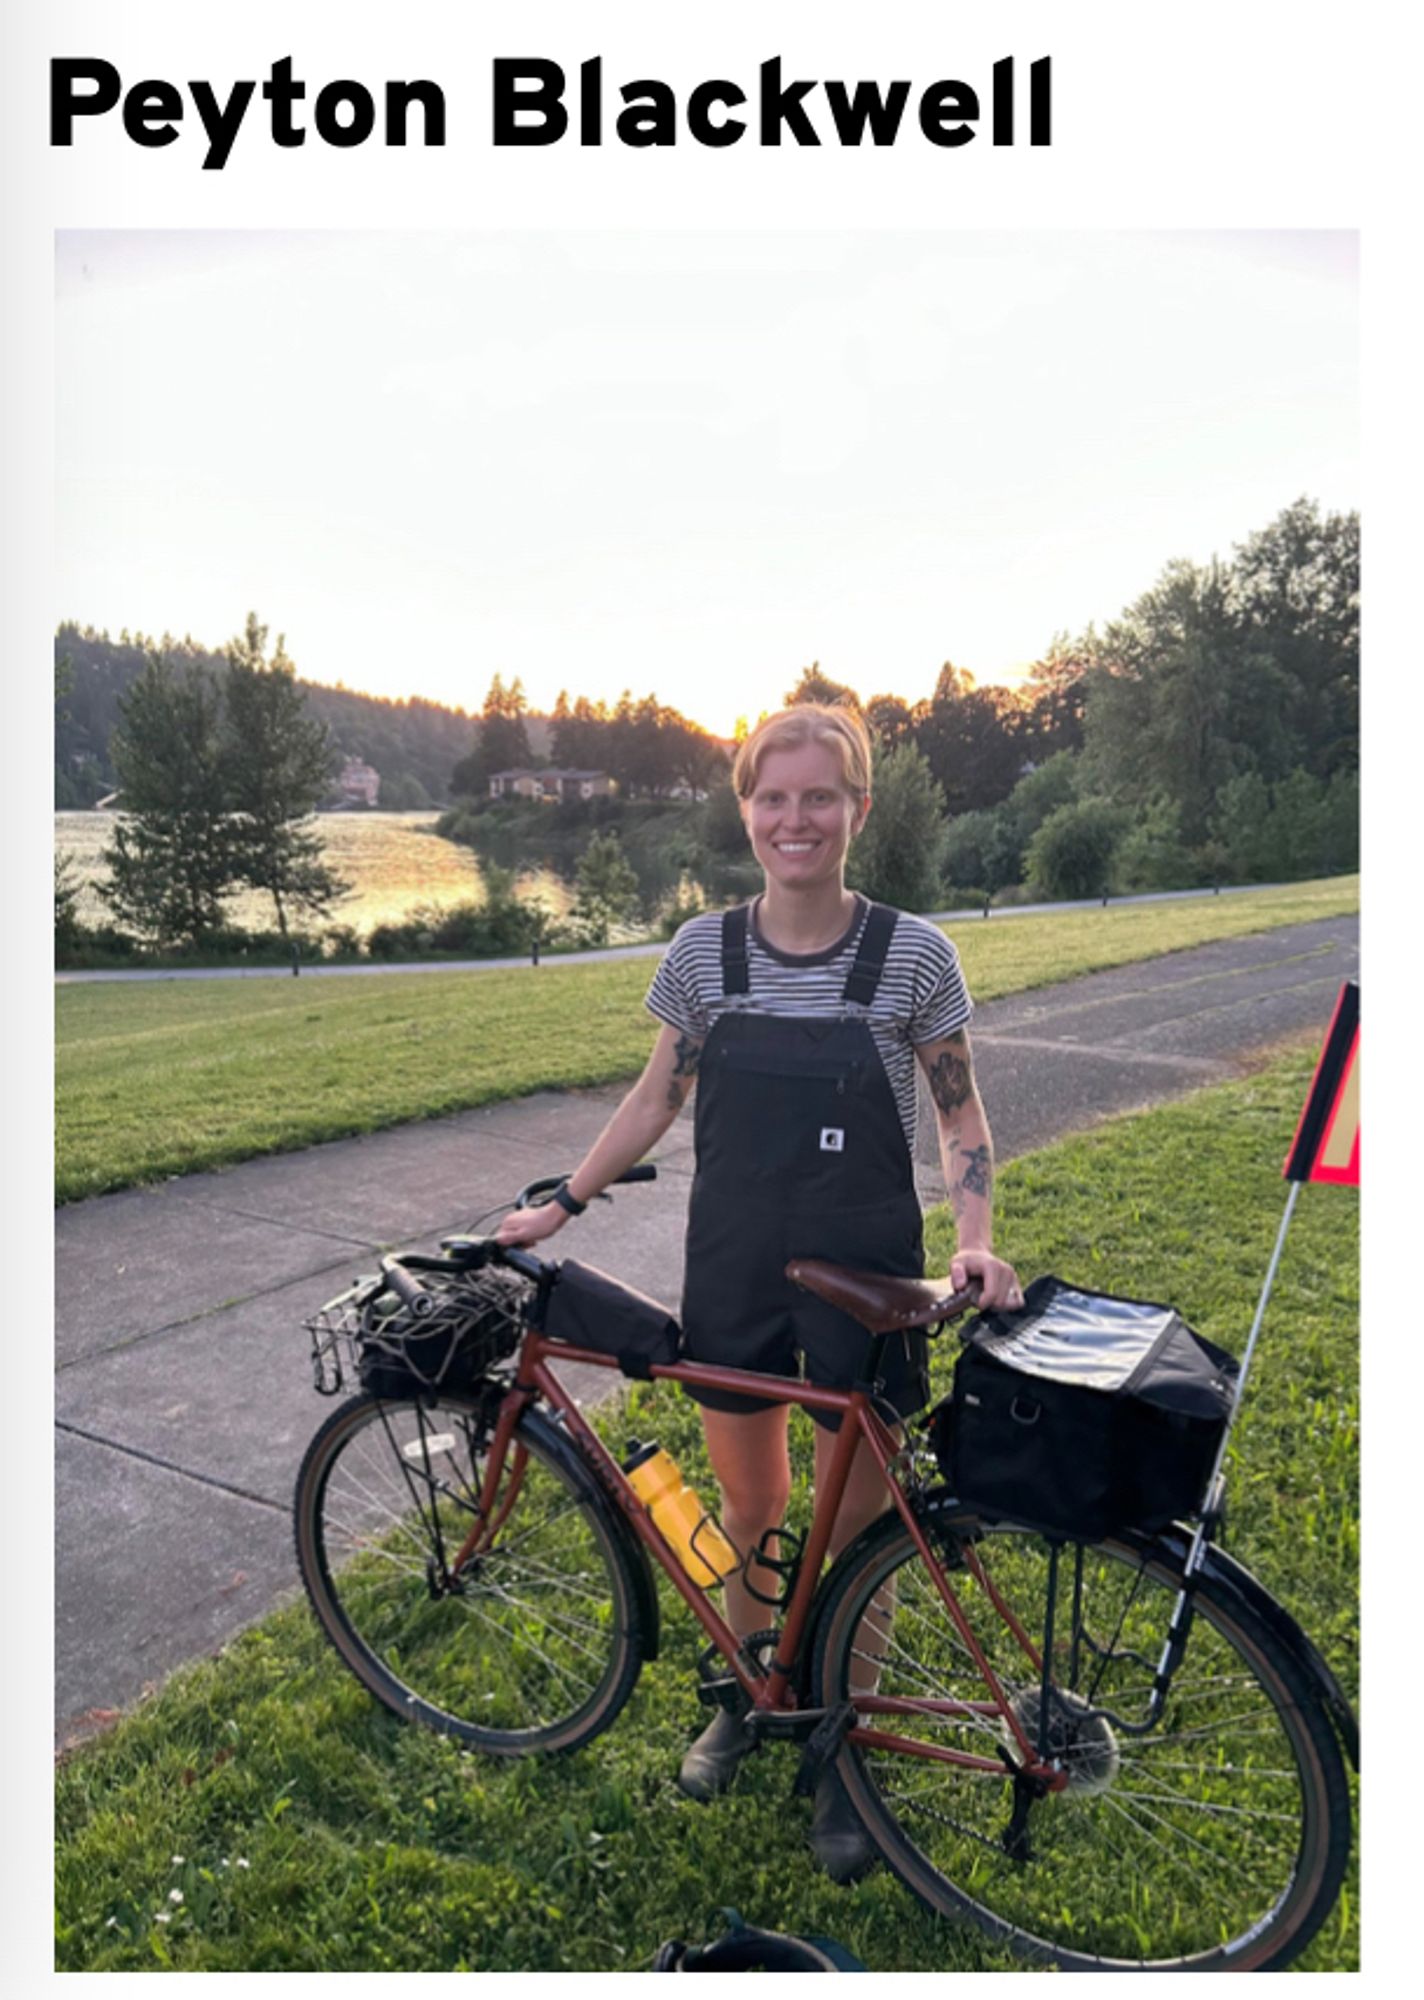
(373, 1845)
(173, 1078)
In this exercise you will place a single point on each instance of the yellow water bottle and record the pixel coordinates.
(693, 1534)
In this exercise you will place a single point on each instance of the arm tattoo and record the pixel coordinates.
(978, 1170)
(951, 1077)
(684, 1069)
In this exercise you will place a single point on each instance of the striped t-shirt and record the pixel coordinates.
(921, 996)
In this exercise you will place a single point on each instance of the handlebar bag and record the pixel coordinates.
(587, 1308)
(1082, 1413)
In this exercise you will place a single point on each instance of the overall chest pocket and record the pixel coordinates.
(783, 1119)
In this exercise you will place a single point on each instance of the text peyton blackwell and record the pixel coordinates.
(532, 105)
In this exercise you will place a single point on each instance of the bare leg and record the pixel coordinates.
(748, 1453)
(865, 1499)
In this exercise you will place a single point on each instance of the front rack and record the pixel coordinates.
(466, 1321)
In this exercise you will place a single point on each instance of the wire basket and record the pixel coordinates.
(474, 1322)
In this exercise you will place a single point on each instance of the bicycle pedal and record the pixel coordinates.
(823, 1746)
(722, 1693)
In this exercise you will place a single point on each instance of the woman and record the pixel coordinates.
(800, 1018)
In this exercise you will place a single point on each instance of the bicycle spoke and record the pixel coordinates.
(1160, 1849)
(530, 1642)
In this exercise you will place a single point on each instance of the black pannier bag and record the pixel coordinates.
(587, 1308)
(1082, 1413)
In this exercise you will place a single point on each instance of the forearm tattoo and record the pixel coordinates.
(684, 1069)
(978, 1171)
(951, 1077)
(971, 1177)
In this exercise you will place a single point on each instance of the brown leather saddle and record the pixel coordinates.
(881, 1304)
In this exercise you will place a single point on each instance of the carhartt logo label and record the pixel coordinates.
(832, 1139)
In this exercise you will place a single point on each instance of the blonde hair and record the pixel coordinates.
(842, 730)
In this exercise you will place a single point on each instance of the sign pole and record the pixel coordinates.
(1326, 1147)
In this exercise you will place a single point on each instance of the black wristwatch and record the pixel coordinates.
(566, 1201)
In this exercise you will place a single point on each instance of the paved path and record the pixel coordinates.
(183, 1392)
(365, 967)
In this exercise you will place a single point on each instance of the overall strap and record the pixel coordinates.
(736, 977)
(870, 959)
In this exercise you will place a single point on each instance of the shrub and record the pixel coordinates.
(1071, 856)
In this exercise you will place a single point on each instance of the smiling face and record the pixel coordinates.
(800, 816)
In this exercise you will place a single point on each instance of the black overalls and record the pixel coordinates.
(800, 1153)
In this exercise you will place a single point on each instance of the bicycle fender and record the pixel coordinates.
(1234, 1576)
(556, 1441)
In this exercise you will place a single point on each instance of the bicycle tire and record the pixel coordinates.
(1142, 1863)
(539, 1645)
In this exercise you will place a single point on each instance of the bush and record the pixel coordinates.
(607, 888)
(685, 905)
(1151, 855)
(1297, 829)
(1071, 856)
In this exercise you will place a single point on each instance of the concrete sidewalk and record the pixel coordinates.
(183, 1395)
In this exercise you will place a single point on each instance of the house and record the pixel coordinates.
(358, 783)
(554, 785)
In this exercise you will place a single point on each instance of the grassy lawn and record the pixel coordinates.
(171, 1078)
(317, 1833)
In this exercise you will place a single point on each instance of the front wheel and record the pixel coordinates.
(1216, 1842)
(532, 1645)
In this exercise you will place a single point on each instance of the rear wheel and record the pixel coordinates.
(1217, 1842)
(533, 1645)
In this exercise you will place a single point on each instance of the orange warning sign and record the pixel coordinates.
(1326, 1146)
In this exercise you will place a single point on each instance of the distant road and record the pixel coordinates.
(610, 951)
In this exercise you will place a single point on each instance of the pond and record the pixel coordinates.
(393, 861)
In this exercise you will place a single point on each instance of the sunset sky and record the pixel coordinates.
(680, 464)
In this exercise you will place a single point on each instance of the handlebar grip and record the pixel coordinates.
(407, 1289)
(644, 1171)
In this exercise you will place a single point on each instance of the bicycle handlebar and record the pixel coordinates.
(644, 1171)
(409, 1290)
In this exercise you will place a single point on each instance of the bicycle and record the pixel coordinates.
(1101, 1755)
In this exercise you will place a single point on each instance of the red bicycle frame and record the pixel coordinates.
(770, 1692)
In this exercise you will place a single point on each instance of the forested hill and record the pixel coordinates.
(414, 744)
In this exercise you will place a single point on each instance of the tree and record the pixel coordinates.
(816, 686)
(1296, 588)
(171, 859)
(896, 856)
(66, 904)
(276, 767)
(971, 738)
(607, 888)
(1055, 697)
(502, 743)
(891, 721)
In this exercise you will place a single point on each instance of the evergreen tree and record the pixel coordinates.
(896, 856)
(813, 685)
(502, 743)
(607, 888)
(66, 904)
(171, 858)
(276, 768)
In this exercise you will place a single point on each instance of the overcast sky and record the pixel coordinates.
(680, 464)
